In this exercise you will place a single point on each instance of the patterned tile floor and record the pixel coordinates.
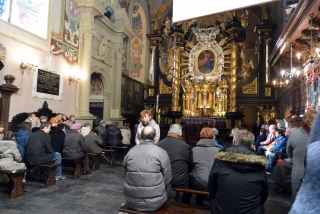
(100, 192)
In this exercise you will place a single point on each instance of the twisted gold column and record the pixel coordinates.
(235, 54)
(176, 79)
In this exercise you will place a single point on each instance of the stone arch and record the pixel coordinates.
(251, 115)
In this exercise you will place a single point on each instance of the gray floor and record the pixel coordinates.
(100, 192)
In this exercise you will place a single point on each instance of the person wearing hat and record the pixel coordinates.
(75, 147)
(85, 129)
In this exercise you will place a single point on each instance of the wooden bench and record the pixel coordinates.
(170, 209)
(113, 155)
(15, 180)
(94, 161)
(50, 168)
(115, 150)
(189, 190)
(66, 162)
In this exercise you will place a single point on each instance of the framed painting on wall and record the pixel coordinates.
(206, 60)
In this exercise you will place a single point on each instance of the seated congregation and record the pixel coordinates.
(232, 176)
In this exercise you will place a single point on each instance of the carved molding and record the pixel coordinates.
(151, 92)
(228, 124)
(267, 92)
(164, 89)
(251, 88)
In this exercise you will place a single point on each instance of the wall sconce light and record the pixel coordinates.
(27, 66)
(73, 77)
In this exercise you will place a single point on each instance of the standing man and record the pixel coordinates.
(39, 149)
(146, 120)
(148, 174)
(237, 181)
(179, 154)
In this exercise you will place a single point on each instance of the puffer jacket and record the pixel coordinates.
(114, 136)
(238, 181)
(102, 133)
(141, 126)
(203, 155)
(74, 146)
(22, 137)
(126, 134)
(10, 156)
(148, 176)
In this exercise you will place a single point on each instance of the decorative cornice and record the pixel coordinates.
(91, 5)
(298, 16)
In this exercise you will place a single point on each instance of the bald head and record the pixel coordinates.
(148, 133)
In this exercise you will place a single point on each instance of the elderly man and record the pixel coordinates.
(179, 154)
(39, 149)
(148, 174)
(237, 181)
(33, 119)
(75, 147)
(102, 133)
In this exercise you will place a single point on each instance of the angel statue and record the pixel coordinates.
(167, 23)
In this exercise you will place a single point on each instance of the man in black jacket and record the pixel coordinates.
(238, 181)
(179, 154)
(39, 149)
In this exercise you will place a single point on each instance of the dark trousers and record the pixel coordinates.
(186, 197)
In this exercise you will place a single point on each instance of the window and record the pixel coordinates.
(30, 15)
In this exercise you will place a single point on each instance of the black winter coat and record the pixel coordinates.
(179, 154)
(238, 182)
(39, 149)
(114, 136)
(74, 146)
(102, 133)
(58, 141)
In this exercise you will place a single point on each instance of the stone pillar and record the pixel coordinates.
(117, 81)
(6, 91)
(106, 106)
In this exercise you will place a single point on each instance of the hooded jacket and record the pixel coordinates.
(203, 155)
(22, 137)
(148, 176)
(238, 182)
(114, 136)
(10, 156)
(150, 123)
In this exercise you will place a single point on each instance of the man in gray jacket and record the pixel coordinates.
(148, 174)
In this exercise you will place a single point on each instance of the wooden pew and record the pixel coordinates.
(169, 209)
(115, 151)
(67, 166)
(113, 155)
(189, 190)
(94, 161)
(15, 180)
(51, 170)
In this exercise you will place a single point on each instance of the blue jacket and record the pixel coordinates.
(281, 144)
(218, 144)
(22, 137)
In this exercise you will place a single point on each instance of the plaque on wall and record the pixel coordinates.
(47, 82)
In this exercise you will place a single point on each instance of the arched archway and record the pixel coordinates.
(250, 116)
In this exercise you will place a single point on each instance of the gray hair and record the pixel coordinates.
(273, 127)
(244, 137)
(102, 122)
(176, 128)
(216, 131)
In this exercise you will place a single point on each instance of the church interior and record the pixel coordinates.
(111, 59)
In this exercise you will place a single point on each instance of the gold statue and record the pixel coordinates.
(248, 68)
(167, 23)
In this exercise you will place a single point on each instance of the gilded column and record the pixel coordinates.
(235, 55)
(152, 65)
(176, 79)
